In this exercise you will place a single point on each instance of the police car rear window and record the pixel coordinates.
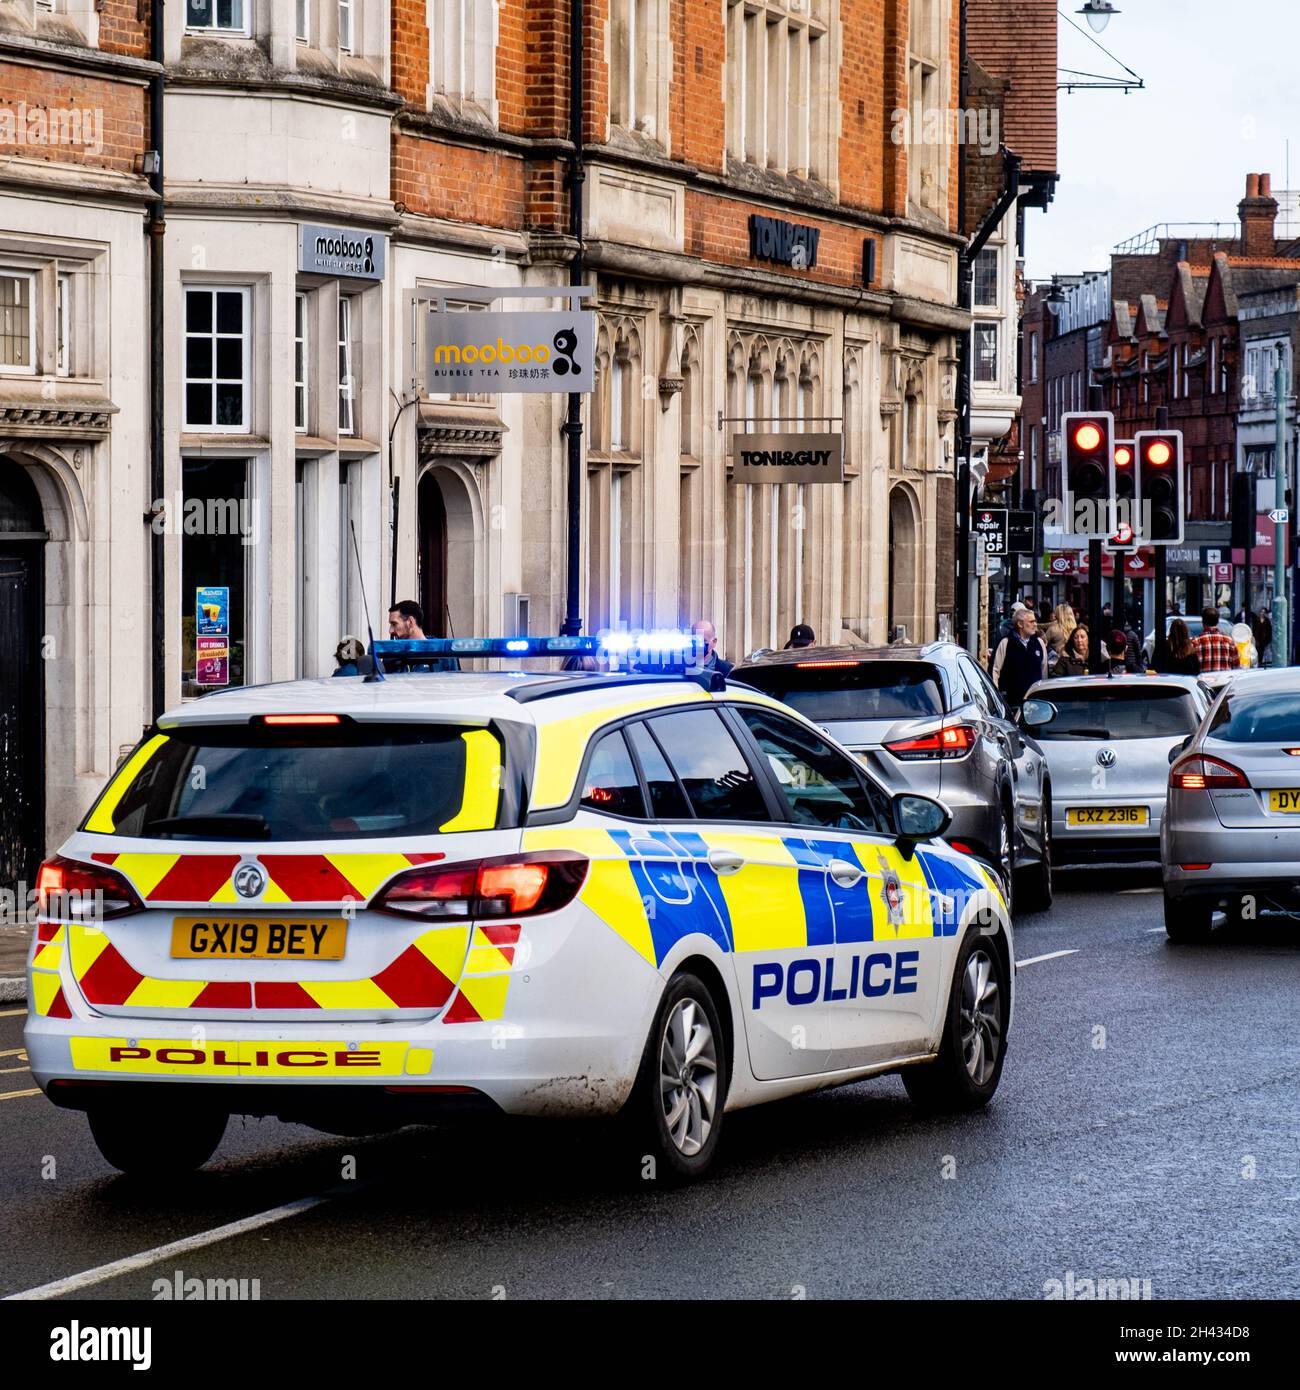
(825, 691)
(1257, 718)
(352, 781)
(1121, 712)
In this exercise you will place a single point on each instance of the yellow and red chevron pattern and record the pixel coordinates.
(292, 878)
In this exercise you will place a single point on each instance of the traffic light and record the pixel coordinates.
(1123, 489)
(1160, 486)
(1088, 465)
(1243, 512)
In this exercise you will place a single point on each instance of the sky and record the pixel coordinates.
(1222, 98)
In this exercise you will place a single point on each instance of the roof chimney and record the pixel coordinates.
(1258, 213)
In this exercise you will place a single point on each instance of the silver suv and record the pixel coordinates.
(926, 719)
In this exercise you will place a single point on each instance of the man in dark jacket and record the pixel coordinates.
(1020, 660)
(711, 661)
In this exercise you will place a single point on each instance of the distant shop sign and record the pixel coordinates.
(341, 251)
(783, 243)
(510, 352)
(788, 458)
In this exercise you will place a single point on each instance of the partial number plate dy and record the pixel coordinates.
(259, 938)
(1288, 802)
(1106, 815)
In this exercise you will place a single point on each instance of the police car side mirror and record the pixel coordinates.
(918, 818)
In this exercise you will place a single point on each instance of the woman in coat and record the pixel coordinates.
(1183, 659)
(1061, 626)
(1073, 660)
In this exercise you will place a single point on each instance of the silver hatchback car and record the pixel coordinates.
(1231, 834)
(926, 719)
(1107, 741)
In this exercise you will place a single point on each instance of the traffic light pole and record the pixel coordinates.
(1094, 606)
(1281, 618)
(1159, 658)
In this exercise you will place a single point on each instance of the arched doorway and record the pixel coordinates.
(22, 687)
(433, 555)
(902, 564)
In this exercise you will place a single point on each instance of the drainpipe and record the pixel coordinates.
(572, 428)
(157, 350)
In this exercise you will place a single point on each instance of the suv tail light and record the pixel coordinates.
(66, 888)
(955, 741)
(521, 885)
(1200, 773)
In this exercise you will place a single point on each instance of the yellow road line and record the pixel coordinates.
(12, 1013)
(12, 1071)
(14, 1052)
(17, 1095)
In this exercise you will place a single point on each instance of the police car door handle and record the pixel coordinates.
(724, 861)
(846, 874)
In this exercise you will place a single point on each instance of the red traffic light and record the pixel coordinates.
(1123, 456)
(1088, 437)
(1158, 453)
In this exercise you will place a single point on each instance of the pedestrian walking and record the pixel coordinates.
(1216, 650)
(1062, 624)
(1183, 658)
(1073, 659)
(347, 654)
(1020, 659)
(801, 635)
(711, 661)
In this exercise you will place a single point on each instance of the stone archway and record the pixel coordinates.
(904, 576)
(449, 551)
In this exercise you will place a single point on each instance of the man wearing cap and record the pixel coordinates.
(801, 635)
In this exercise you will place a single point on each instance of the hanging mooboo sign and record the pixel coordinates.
(483, 350)
(787, 458)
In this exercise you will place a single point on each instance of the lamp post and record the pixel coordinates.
(1098, 13)
(1281, 619)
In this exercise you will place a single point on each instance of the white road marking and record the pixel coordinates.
(102, 1273)
(1051, 955)
(1140, 890)
(1152, 930)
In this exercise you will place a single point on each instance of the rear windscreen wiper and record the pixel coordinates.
(231, 825)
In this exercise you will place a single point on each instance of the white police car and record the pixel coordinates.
(356, 903)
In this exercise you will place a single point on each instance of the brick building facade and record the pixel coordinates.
(435, 133)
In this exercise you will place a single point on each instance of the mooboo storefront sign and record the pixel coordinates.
(788, 458)
(341, 252)
(510, 352)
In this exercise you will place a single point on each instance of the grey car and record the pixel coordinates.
(1231, 835)
(1107, 741)
(927, 719)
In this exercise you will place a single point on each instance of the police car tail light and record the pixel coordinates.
(518, 886)
(953, 742)
(89, 892)
(1202, 773)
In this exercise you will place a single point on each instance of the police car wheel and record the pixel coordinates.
(1034, 888)
(967, 1070)
(676, 1105)
(149, 1144)
(1188, 919)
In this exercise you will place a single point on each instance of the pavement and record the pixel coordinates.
(1147, 1128)
(14, 942)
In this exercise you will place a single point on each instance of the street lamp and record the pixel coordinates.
(1098, 14)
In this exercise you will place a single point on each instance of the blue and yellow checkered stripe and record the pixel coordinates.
(653, 888)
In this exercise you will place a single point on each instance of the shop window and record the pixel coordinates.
(986, 278)
(217, 535)
(220, 16)
(300, 393)
(780, 85)
(462, 53)
(347, 383)
(986, 353)
(216, 360)
(17, 322)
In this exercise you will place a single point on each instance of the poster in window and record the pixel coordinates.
(212, 611)
(212, 661)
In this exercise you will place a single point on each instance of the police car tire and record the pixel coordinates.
(1188, 919)
(945, 1085)
(644, 1112)
(148, 1143)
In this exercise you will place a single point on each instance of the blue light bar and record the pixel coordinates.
(439, 648)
